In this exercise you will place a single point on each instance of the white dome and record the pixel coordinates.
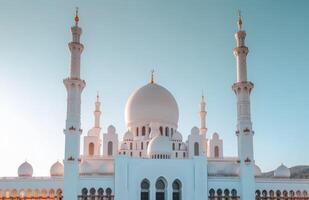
(123, 146)
(128, 136)
(177, 136)
(57, 169)
(215, 136)
(85, 168)
(111, 129)
(159, 145)
(151, 103)
(195, 131)
(282, 171)
(257, 170)
(25, 169)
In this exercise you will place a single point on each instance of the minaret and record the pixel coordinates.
(203, 113)
(203, 128)
(242, 89)
(97, 112)
(73, 131)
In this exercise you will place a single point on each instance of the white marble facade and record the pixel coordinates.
(153, 161)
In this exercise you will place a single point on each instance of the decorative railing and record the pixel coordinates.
(281, 198)
(95, 197)
(32, 198)
(223, 197)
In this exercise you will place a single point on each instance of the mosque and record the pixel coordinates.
(153, 161)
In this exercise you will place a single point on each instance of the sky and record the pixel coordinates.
(189, 45)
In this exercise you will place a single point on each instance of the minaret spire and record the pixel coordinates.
(239, 21)
(203, 113)
(74, 86)
(242, 88)
(76, 16)
(152, 77)
(97, 112)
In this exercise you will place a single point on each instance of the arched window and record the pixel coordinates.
(91, 149)
(234, 194)
(108, 192)
(173, 146)
(166, 131)
(131, 153)
(140, 154)
(110, 148)
(131, 145)
(100, 193)
(136, 131)
(161, 130)
(219, 194)
(226, 194)
(160, 189)
(92, 193)
(257, 194)
(84, 193)
(142, 145)
(143, 131)
(179, 146)
(211, 194)
(196, 149)
(176, 154)
(145, 189)
(217, 152)
(176, 190)
(184, 154)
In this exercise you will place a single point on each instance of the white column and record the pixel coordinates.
(74, 86)
(242, 89)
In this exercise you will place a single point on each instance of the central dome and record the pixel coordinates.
(151, 103)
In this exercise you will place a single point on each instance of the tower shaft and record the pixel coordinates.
(74, 86)
(242, 88)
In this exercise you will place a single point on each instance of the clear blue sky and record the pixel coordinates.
(188, 43)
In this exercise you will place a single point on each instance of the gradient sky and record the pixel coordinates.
(188, 43)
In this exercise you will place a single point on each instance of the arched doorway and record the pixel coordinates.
(160, 189)
(176, 190)
(145, 189)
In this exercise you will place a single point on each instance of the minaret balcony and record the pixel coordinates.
(240, 86)
(242, 50)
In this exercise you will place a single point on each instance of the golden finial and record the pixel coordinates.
(152, 76)
(76, 17)
(239, 21)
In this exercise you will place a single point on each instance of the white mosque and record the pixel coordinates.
(153, 161)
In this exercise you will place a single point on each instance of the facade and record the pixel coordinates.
(152, 161)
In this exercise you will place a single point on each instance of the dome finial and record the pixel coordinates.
(76, 16)
(152, 77)
(239, 21)
(98, 96)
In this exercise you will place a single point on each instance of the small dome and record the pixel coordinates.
(25, 170)
(159, 145)
(195, 131)
(123, 146)
(111, 129)
(57, 169)
(128, 136)
(282, 171)
(151, 103)
(215, 136)
(177, 136)
(85, 168)
(257, 171)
